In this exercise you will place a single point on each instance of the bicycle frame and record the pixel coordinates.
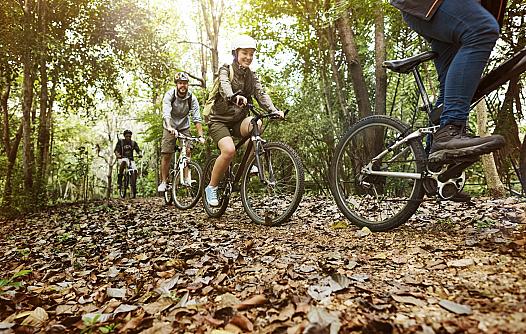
(181, 161)
(490, 82)
(255, 142)
(368, 169)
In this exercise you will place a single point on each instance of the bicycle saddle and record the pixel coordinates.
(407, 64)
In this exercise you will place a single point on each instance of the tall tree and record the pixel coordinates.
(212, 12)
(344, 26)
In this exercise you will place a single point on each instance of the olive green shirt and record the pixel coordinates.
(248, 84)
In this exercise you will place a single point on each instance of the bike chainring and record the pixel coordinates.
(446, 180)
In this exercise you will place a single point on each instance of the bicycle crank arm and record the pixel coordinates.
(454, 171)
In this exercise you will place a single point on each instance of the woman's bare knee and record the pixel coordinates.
(227, 147)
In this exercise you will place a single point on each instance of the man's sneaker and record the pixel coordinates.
(451, 143)
(162, 187)
(211, 195)
(254, 170)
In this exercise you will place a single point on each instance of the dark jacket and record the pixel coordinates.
(425, 9)
(126, 147)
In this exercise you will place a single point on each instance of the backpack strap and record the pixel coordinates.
(231, 73)
(172, 100)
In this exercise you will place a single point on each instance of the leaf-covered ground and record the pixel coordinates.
(139, 266)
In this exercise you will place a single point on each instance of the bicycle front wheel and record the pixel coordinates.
(273, 200)
(185, 196)
(168, 193)
(125, 184)
(223, 191)
(379, 202)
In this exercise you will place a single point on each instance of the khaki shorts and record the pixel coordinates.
(169, 141)
(218, 130)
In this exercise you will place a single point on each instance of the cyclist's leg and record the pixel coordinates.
(167, 149)
(228, 151)
(244, 128)
(122, 166)
(468, 25)
(463, 33)
(133, 179)
(220, 133)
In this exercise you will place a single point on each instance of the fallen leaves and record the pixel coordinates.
(161, 271)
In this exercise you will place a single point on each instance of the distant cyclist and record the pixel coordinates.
(228, 117)
(179, 105)
(124, 152)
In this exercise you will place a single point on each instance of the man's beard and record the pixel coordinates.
(181, 94)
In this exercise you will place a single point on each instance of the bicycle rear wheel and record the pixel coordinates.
(379, 202)
(186, 196)
(273, 200)
(223, 191)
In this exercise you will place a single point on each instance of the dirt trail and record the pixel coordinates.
(132, 266)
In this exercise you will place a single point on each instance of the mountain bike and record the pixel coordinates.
(270, 178)
(185, 180)
(379, 173)
(129, 179)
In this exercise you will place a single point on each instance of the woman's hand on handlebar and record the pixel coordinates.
(277, 114)
(239, 100)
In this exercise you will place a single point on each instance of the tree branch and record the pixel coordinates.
(199, 43)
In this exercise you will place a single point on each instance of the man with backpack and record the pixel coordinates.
(179, 104)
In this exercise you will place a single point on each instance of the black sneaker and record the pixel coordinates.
(451, 143)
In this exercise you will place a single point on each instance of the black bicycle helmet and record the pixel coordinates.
(127, 132)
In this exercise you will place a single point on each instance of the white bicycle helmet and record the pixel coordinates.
(243, 42)
(181, 76)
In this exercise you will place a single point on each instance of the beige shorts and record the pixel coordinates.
(169, 141)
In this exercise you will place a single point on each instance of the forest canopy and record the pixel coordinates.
(75, 73)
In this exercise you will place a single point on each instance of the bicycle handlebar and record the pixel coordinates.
(270, 115)
(259, 115)
(181, 136)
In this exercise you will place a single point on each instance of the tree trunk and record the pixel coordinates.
(202, 50)
(495, 186)
(506, 125)
(380, 72)
(343, 117)
(11, 146)
(212, 11)
(43, 129)
(27, 95)
(343, 26)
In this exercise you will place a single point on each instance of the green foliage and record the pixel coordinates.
(12, 282)
(108, 64)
